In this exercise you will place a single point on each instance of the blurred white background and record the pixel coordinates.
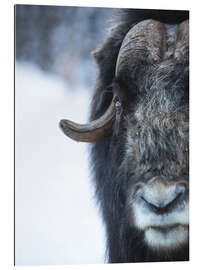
(56, 217)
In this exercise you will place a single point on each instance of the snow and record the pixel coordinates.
(56, 216)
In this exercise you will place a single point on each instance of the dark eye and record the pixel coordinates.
(119, 110)
(117, 102)
(125, 89)
(118, 91)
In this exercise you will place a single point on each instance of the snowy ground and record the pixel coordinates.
(57, 221)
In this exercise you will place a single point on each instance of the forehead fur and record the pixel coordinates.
(158, 140)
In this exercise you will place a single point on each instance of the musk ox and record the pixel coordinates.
(139, 130)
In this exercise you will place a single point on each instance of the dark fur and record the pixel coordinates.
(155, 115)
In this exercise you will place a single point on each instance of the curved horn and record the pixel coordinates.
(92, 131)
(144, 42)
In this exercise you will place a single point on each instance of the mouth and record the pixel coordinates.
(166, 237)
(168, 228)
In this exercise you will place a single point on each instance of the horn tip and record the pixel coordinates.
(65, 126)
(62, 124)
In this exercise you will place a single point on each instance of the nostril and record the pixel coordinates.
(161, 207)
(154, 207)
(173, 202)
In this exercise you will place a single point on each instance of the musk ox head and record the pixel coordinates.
(145, 135)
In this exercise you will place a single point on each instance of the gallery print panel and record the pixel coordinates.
(101, 135)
